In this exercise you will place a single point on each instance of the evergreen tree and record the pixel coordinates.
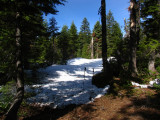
(51, 54)
(117, 37)
(150, 12)
(7, 50)
(85, 31)
(109, 23)
(52, 28)
(62, 43)
(84, 39)
(36, 47)
(104, 43)
(114, 38)
(73, 41)
(114, 35)
(22, 13)
(97, 34)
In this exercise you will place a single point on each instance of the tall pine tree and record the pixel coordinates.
(62, 44)
(133, 38)
(114, 35)
(84, 39)
(73, 41)
(22, 13)
(97, 35)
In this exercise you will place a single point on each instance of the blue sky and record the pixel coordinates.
(76, 10)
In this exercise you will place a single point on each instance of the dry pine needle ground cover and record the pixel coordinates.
(144, 104)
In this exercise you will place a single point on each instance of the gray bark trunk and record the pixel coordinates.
(151, 64)
(97, 56)
(12, 112)
(138, 22)
(153, 55)
(133, 39)
(126, 29)
(92, 48)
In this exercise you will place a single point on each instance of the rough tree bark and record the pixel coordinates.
(92, 48)
(12, 112)
(97, 55)
(151, 63)
(159, 24)
(104, 43)
(138, 22)
(133, 39)
(154, 55)
(127, 35)
(159, 14)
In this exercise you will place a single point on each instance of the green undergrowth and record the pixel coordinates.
(7, 95)
(156, 86)
(123, 87)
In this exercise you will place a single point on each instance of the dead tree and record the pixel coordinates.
(133, 38)
(92, 48)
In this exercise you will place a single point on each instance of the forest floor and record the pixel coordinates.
(72, 93)
(143, 104)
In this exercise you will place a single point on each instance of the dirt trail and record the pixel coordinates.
(145, 105)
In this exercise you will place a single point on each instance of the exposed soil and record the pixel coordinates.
(144, 104)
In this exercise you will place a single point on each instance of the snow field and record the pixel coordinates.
(67, 84)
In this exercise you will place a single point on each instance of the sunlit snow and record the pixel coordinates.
(156, 81)
(67, 84)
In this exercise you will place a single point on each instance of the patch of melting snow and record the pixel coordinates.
(156, 81)
(66, 84)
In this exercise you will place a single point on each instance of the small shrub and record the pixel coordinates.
(156, 86)
(29, 94)
(158, 76)
(158, 69)
(6, 96)
(116, 88)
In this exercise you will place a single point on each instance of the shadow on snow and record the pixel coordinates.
(72, 88)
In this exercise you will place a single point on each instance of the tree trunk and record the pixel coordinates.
(151, 64)
(12, 112)
(153, 55)
(133, 39)
(104, 43)
(92, 48)
(97, 56)
(138, 22)
(126, 29)
(158, 20)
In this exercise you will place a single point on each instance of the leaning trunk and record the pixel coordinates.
(104, 43)
(133, 40)
(12, 112)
